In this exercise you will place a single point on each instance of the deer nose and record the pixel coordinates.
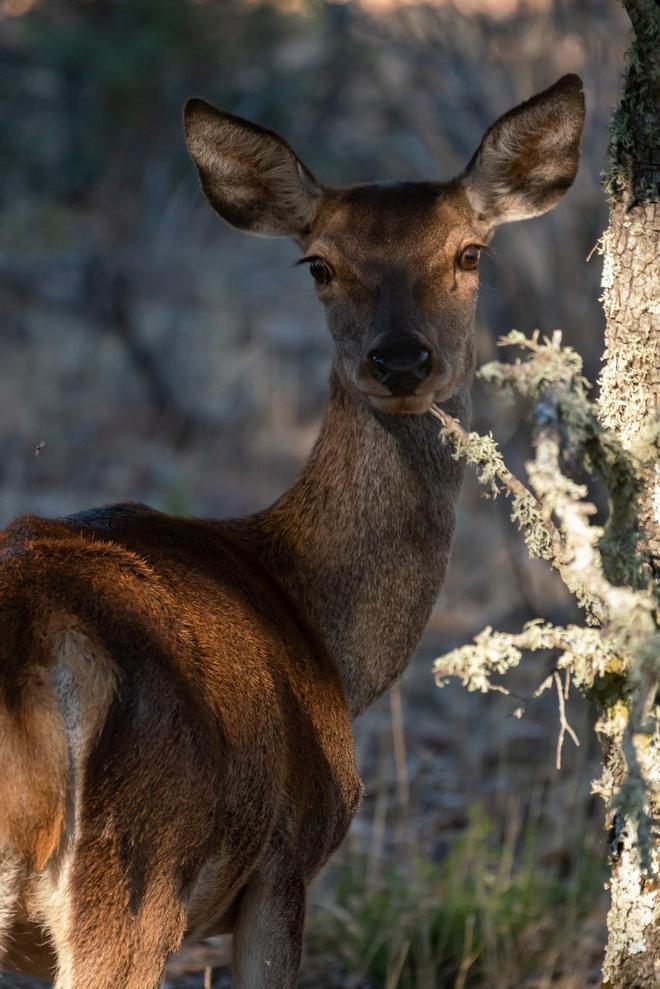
(400, 369)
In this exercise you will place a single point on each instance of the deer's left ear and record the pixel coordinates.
(529, 157)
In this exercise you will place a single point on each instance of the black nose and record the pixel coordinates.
(401, 369)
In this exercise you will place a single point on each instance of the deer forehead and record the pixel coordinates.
(398, 224)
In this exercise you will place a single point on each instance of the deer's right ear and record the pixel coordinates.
(250, 176)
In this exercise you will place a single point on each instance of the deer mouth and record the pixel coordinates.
(412, 403)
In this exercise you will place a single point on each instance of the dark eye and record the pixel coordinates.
(468, 259)
(320, 271)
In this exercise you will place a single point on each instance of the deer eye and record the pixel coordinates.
(320, 271)
(468, 259)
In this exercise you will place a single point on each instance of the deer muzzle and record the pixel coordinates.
(403, 374)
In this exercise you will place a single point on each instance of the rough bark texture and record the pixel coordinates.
(628, 404)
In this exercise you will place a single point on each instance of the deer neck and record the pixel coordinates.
(361, 540)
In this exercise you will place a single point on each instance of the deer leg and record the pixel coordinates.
(114, 952)
(11, 871)
(269, 930)
(102, 939)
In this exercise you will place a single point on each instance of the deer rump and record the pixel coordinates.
(153, 763)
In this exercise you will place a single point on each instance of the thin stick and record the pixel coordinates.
(564, 727)
(379, 820)
(468, 959)
(397, 968)
(399, 744)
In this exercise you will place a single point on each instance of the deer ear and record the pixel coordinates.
(529, 157)
(250, 176)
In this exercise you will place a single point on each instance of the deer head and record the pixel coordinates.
(395, 264)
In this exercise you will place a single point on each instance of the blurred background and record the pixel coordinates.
(150, 353)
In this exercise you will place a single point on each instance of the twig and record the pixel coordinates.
(469, 956)
(399, 744)
(510, 482)
(564, 727)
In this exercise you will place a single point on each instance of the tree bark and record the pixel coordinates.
(628, 405)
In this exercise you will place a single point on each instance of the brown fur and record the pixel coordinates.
(176, 694)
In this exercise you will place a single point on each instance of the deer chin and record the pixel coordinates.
(411, 405)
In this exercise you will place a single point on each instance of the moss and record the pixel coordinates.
(637, 110)
(609, 687)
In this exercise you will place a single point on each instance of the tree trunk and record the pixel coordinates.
(628, 405)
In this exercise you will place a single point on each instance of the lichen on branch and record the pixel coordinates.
(615, 656)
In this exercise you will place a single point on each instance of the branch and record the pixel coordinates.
(552, 377)
(541, 535)
(619, 654)
(582, 651)
(628, 614)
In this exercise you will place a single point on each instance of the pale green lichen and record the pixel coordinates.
(484, 454)
(634, 912)
(609, 569)
(617, 654)
(582, 651)
(551, 364)
(585, 440)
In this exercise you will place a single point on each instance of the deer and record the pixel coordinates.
(177, 694)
